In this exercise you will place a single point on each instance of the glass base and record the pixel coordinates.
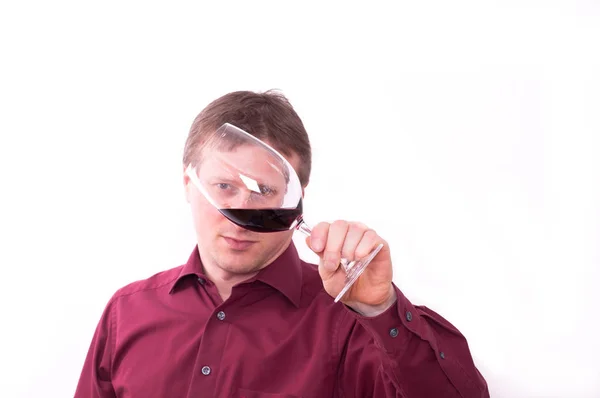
(355, 270)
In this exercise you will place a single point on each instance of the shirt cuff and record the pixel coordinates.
(389, 329)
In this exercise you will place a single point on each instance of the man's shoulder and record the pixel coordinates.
(162, 279)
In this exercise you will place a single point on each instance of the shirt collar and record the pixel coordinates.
(284, 274)
(193, 266)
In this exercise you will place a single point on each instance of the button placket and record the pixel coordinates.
(212, 346)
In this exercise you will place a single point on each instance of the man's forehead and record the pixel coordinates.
(246, 154)
(292, 157)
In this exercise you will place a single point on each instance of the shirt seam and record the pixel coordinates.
(120, 294)
(112, 339)
(338, 345)
(443, 362)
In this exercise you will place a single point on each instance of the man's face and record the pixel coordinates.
(225, 245)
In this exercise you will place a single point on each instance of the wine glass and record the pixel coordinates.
(256, 188)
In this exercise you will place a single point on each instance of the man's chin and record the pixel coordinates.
(238, 261)
(235, 267)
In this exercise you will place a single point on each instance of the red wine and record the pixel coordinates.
(263, 220)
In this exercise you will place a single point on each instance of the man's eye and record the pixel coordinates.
(265, 190)
(223, 185)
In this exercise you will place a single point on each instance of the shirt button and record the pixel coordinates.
(393, 332)
(201, 281)
(442, 355)
(221, 315)
(205, 370)
(408, 316)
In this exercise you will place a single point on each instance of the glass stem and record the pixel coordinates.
(303, 227)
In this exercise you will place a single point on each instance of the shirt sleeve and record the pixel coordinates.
(407, 351)
(94, 380)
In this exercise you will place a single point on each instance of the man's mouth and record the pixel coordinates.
(238, 244)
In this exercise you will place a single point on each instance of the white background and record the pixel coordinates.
(465, 133)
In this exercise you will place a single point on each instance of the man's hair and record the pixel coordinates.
(269, 116)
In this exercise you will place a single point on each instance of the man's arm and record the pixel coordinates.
(94, 381)
(406, 351)
(394, 349)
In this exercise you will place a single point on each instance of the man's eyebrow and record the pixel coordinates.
(219, 180)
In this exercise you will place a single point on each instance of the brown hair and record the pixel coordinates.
(269, 116)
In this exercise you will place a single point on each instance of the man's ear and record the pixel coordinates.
(186, 185)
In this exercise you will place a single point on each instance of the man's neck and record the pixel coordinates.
(225, 281)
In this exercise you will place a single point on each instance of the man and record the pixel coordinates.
(246, 317)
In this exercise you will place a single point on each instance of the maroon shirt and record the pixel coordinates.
(278, 335)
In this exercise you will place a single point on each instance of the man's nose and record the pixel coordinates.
(242, 200)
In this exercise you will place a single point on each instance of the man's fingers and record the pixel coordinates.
(353, 238)
(333, 247)
(318, 237)
(368, 242)
(340, 239)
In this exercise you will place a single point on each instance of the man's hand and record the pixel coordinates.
(373, 292)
